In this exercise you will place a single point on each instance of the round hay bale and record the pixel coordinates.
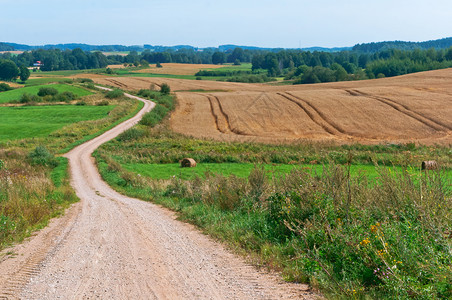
(429, 165)
(188, 163)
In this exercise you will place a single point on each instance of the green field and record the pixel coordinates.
(243, 170)
(38, 121)
(17, 93)
(44, 80)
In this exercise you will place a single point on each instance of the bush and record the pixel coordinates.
(116, 93)
(145, 93)
(4, 87)
(90, 86)
(80, 103)
(69, 95)
(44, 91)
(165, 89)
(85, 80)
(110, 71)
(130, 135)
(42, 156)
(28, 98)
(63, 97)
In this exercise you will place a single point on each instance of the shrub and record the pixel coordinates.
(85, 80)
(116, 93)
(145, 93)
(130, 135)
(165, 89)
(69, 95)
(109, 71)
(80, 103)
(42, 156)
(4, 87)
(63, 97)
(90, 86)
(44, 91)
(28, 98)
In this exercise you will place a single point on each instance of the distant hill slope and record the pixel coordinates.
(376, 47)
(139, 48)
(365, 48)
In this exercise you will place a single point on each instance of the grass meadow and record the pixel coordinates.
(34, 180)
(353, 221)
(17, 93)
(39, 121)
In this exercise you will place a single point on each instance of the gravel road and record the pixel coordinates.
(110, 246)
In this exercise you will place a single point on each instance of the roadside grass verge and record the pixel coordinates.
(30, 195)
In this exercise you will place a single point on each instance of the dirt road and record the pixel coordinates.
(110, 246)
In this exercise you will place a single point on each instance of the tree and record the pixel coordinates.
(218, 58)
(8, 70)
(144, 63)
(24, 73)
(448, 55)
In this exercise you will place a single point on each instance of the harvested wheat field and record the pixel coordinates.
(411, 108)
(178, 69)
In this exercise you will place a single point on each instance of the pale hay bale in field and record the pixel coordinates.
(188, 163)
(429, 165)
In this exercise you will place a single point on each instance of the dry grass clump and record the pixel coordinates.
(28, 195)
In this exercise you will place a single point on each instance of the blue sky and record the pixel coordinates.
(202, 23)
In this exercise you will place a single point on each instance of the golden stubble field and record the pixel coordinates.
(411, 108)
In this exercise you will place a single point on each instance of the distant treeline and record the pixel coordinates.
(314, 67)
(297, 65)
(377, 47)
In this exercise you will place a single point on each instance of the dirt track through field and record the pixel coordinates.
(110, 246)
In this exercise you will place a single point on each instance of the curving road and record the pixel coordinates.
(110, 246)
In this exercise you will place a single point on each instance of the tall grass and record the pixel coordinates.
(30, 195)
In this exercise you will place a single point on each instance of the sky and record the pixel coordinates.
(204, 23)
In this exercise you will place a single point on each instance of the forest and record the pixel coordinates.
(296, 65)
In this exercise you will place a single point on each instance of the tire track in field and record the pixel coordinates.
(427, 121)
(427, 90)
(150, 82)
(314, 114)
(224, 114)
(221, 118)
(221, 124)
(118, 83)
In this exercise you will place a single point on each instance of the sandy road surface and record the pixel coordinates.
(109, 246)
